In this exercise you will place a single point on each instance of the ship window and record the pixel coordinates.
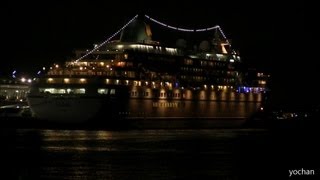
(135, 83)
(56, 91)
(69, 91)
(103, 91)
(188, 61)
(80, 91)
(112, 91)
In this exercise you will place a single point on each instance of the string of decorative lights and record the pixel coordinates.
(187, 30)
(158, 22)
(104, 42)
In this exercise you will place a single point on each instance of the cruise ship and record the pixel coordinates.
(132, 77)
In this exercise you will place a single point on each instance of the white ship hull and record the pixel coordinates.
(64, 109)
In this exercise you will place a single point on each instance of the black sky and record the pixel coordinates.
(268, 35)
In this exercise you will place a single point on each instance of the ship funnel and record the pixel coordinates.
(136, 31)
(220, 43)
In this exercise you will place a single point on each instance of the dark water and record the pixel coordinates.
(157, 154)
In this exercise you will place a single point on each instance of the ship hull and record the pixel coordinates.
(64, 109)
(142, 111)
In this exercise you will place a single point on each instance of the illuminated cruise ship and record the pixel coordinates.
(135, 77)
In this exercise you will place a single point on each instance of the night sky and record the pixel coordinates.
(268, 35)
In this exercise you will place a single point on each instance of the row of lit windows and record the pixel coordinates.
(216, 72)
(74, 91)
(191, 69)
(161, 94)
(211, 64)
(106, 91)
(196, 78)
(63, 90)
(135, 93)
(144, 83)
(201, 78)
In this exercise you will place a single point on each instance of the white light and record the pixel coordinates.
(29, 80)
(23, 79)
(182, 29)
(201, 30)
(211, 28)
(106, 41)
(187, 30)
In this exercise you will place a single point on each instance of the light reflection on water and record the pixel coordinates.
(134, 154)
(83, 140)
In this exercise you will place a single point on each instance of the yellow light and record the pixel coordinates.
(66, 80)
(82, 80)
(262, 82)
